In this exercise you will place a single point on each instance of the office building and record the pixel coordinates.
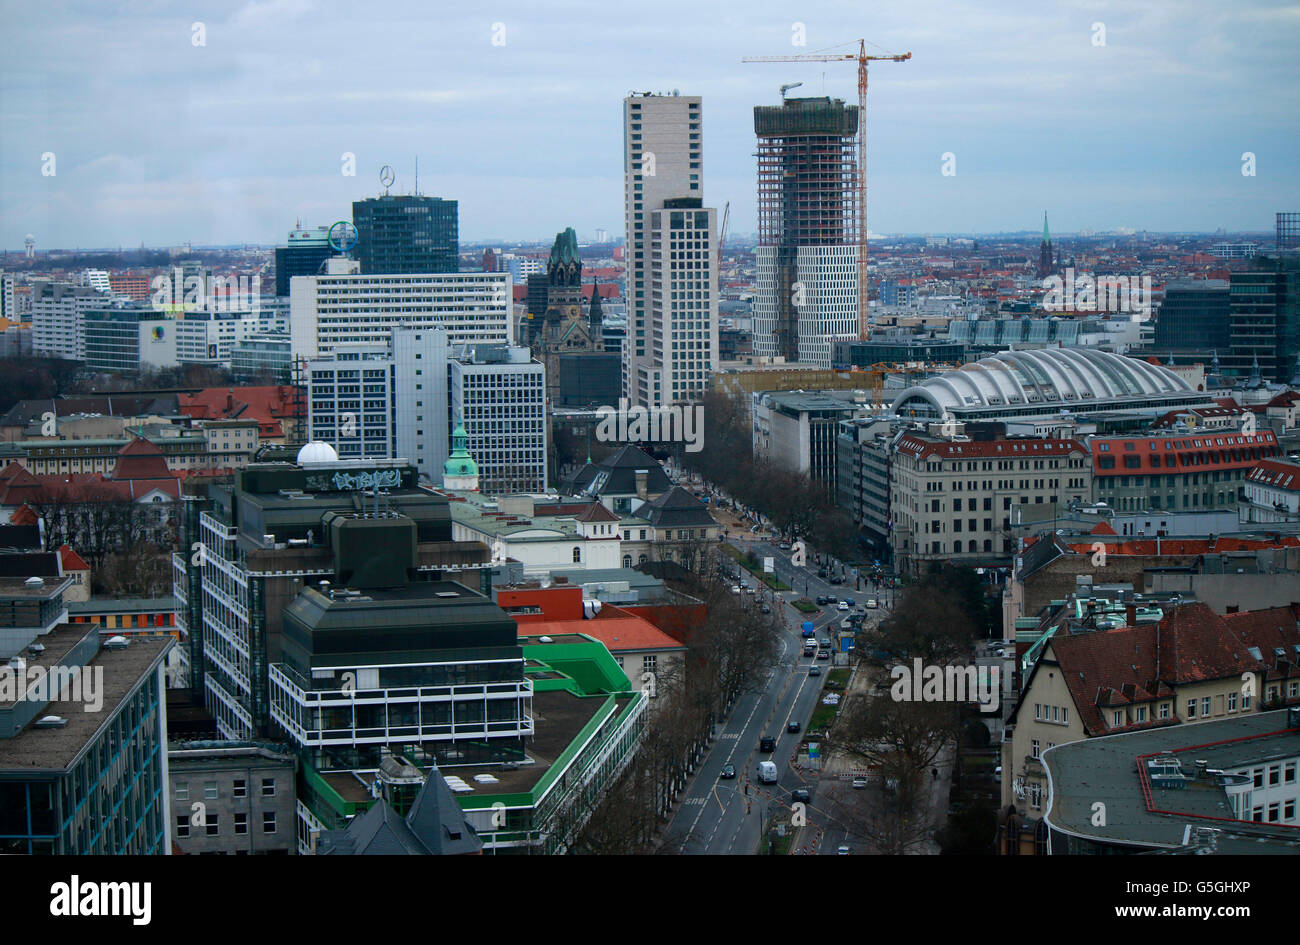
(58, 313)
(405, 234)
(355, 308)
(83, 753)
(1194, 316)
(663, 161)
(851, 353)
(1265, 319)
(498, 393)
(683, 310)
(245, 792)
(951, 496)
(863, 453)
(1288, 231)
(1192, 469)
(129, 338)
(806, 291)
(267, 358)
(303, 255)
(798, 429)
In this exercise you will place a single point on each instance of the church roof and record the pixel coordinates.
(141, 459)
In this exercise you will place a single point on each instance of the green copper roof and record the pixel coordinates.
(460, 463)
(1047, 237)
(565, 250)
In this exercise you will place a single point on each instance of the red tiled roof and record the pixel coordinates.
(71, 560)
(920, 448)
(1188, 546)
(1103, 528)
(140, 459)
(1276, 475)
(265, 404)
(1118, 667)
(24, 516)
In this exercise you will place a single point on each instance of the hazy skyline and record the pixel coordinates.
(159, 141)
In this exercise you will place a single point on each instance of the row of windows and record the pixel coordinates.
(210, 824)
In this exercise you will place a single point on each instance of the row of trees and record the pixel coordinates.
(728, 652)
(793, 502)
(937, 621)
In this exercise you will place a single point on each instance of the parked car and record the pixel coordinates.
(728, 772)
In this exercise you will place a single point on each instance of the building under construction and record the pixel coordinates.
(807, 289)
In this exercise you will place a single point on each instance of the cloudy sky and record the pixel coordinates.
(158, 140)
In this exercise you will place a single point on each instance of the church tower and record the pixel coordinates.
(1045, 251)
(460, 472)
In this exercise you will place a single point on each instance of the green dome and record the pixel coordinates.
(460, 463)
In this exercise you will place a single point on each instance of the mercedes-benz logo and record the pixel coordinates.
(386, 176)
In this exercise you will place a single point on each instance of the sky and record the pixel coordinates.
(1106, 115)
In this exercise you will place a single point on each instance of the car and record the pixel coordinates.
(824, 643)
(872, 603)
(735, 588)
(792, 726)
(844, 850)
(801, 795)
(810, 649)
(728, 772)
(837, 580)
(824, 600)
(842, 606)
(859, 783)
(850, 601)
(784, 546)
(823, 654)
(814, 670)
(997, 774)
(767, 744)
(767, 608)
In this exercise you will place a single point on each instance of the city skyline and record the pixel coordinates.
(516, 115)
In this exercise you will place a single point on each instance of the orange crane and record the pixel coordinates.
(862, 60)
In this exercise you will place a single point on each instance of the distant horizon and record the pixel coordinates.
(742, 237)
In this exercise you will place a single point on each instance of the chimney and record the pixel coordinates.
(1130, 614)
(642, 483)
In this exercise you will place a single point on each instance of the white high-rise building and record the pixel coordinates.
(498, 392)
(683, 313)
(384, 401)
(663, 168)
(58, 318)
(353, 308)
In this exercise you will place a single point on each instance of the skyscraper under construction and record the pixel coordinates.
(807, 286)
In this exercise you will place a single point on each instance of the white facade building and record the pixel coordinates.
(351, 308)
(683, 302)
(58, 318)
(499, 393)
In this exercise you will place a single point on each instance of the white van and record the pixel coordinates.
(766, 772)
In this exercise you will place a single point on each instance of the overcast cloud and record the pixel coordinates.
(159, 141)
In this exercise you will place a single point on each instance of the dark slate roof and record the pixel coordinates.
(20, 537)
(116, 405)
(616, 474)
(434, 826)
(676, 508)
(41, 564)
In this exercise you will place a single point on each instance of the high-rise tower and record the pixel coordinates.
(672, 304)
(807, 285)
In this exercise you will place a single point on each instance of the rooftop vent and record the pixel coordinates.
(545, 640)
(117, 642)
(50, 721)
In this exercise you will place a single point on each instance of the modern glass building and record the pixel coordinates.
(406, 234)
(1194, 315)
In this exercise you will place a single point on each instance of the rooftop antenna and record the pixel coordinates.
(417, 175)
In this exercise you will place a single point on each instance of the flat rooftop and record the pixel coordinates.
(58, 644)
(55, 749)
(1105, 770)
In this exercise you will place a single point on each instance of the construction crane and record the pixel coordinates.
(722, 235)
(862, 60)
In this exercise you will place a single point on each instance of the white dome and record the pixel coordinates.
(317, 452)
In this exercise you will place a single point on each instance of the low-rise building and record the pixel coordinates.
(232, 797)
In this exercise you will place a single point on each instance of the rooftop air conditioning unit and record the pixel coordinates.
(117, 642)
